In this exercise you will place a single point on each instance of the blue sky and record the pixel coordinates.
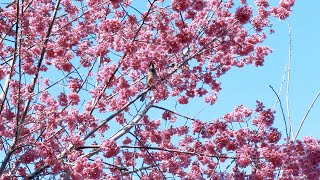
(248, 84)
(245, 85)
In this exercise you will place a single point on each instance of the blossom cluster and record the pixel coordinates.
(71, 73)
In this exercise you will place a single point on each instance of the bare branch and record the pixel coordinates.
(133, 123)
(305, 116)
(178, 151)
(288, 82)
(165, 109)
(283, 116)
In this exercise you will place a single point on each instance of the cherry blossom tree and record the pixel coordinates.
(72, 74)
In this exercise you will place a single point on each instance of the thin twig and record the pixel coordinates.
(288, 83)
(165, 109)
(204, 107)
(305, 116)
(280, 89)
(284, 118)
(137, 170)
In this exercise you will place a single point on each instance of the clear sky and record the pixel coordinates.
(245, 85)
(248, 84)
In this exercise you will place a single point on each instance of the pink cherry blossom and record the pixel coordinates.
(243, 14)
(74, 71)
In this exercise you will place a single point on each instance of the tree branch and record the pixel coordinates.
(283, 116)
